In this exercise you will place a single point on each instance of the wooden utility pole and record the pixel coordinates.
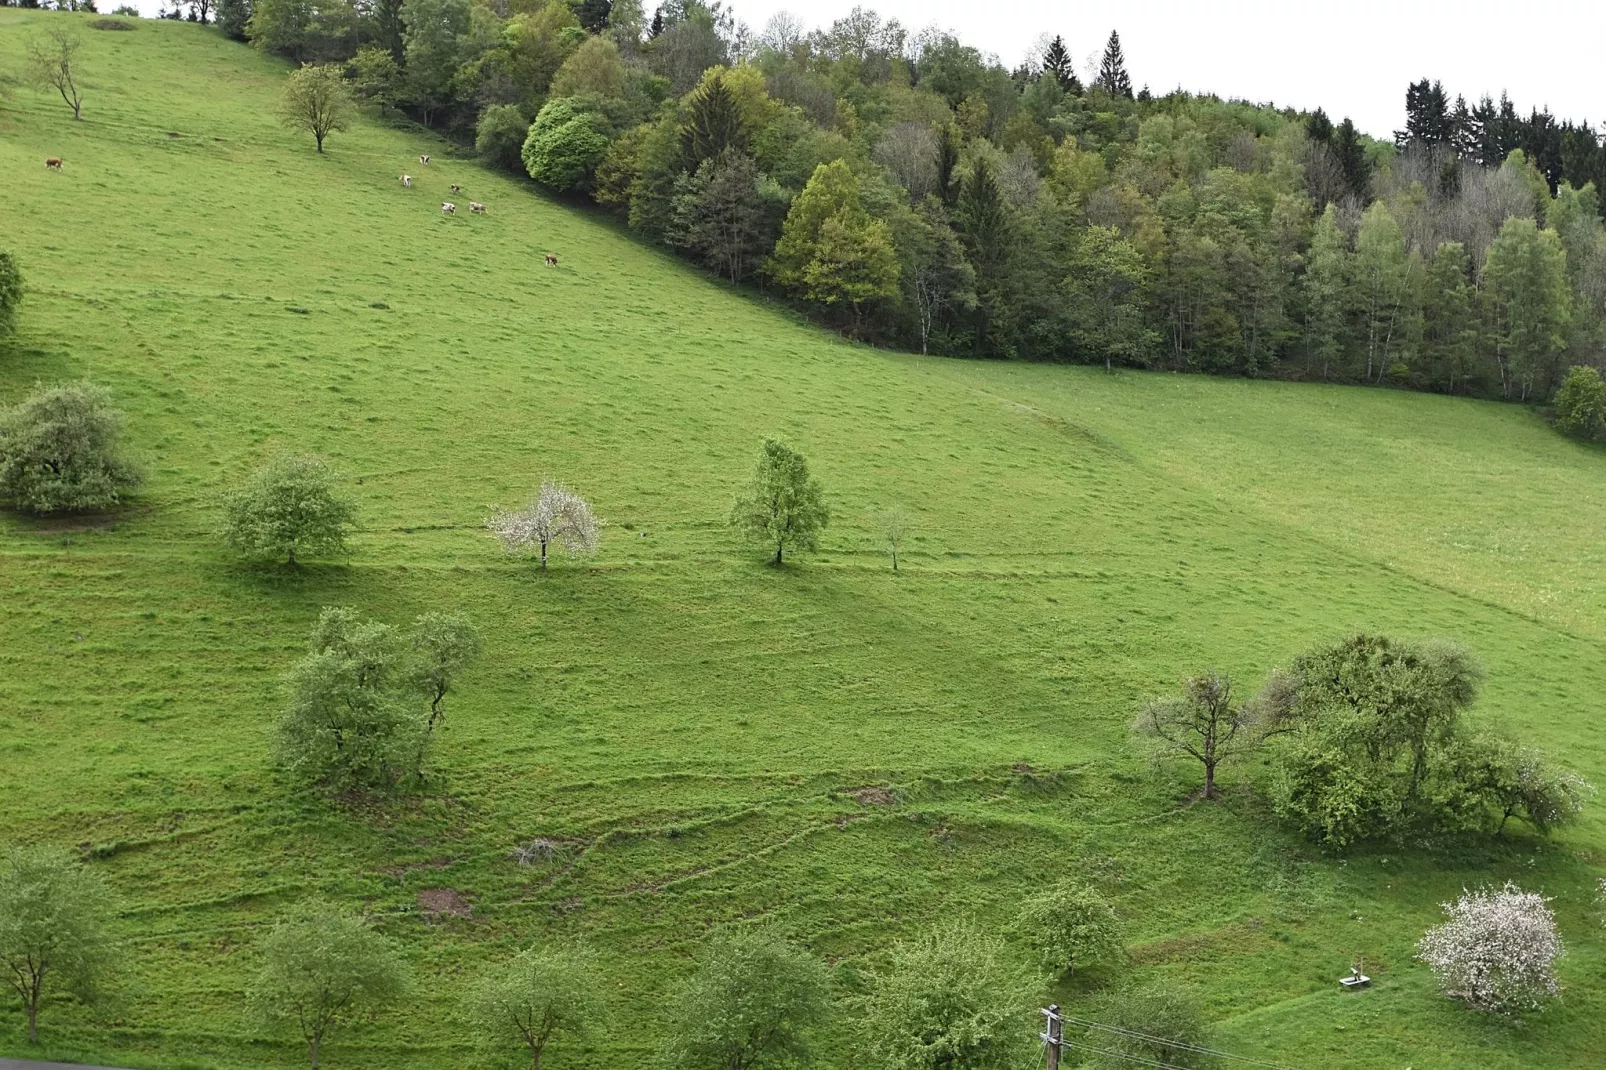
(1053, 1034)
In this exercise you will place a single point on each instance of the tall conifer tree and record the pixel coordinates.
(1113, 78)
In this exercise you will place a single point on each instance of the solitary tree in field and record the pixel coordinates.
(1071, 925)
(53, 64)
(316, 99)
(894, 526)
(321, 969)
(1203, 723)
(59, 451)
(10, 292)
(558, 516)
(752, 1003)
(949, 1001)
(1498, 950)
(288, 508)
(542, 995)
(782, 506)
(54, 915)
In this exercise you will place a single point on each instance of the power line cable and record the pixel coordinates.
(1120, 1055)
(1181, 1045)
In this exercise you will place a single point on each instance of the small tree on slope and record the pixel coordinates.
(53, 919)
(782, 506)
(557, 516)
(1498, 950)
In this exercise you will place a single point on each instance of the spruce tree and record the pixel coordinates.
(1319, 128)
(714, 125)
(1058, 60)
(1113, 78)
(1351, 155)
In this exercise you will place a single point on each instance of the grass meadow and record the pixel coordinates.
(849, 753)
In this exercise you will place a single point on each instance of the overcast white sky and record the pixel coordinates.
(1353, 58)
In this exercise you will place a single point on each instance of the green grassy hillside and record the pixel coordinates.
(693, 725)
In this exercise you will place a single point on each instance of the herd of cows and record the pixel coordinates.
(448, 207)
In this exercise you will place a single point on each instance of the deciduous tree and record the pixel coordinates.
(1070, 925)
(753, 1002)
(53, 64)
(543, 995)
(322, 968)
(1581, 403)
(1497, 950)
(59, 452)
(782, 505)
(1204, 723)
(948, 1001)
(10, 292)
(55, 917)
(288, 509)
(557, 516)
(566, 143)
(316, 100)
(1525, 284)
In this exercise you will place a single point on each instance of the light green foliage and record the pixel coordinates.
(1158, 1010)
(1107, 291)
(566, 143)
(10, 292)
(949, 1000)
(323, 968)
(1450, 331)
(595, 67)
(753, 1001)
(434, 49)
(316, 100)
(365, 701)
(55, 917)
(443, 644)
(1381, 277)
(544, 994)
(538, 42)
(286, 511)
(830, 250)
(376, 76)
(1523, 782)
(59, 452)
(1525, 282)
(1328, 272)
(1070, 926)
(676, 723)
(782, 506)
(499, 135)
(1581, 403)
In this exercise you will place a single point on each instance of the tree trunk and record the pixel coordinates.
(778, 548)
(1210, 780)
(312, 1047)
(33, 1020)
(320, 140)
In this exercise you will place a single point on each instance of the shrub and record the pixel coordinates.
(10, 292)
(59, 452)
(321, 969)
(1581, 403)
(1140, 1020)
(54, 914)
(752, 1003)
(1498, 950)
(288, 508)
(499, 136)
(566, 142)
(556, 516)
(1071, 925)
(949, 1001)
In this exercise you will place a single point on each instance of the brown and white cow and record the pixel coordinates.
(448, 207)
(551, 261)
(476, 207)
(53, 162)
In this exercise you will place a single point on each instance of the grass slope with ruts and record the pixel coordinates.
(702, 739)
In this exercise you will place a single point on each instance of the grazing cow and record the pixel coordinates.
(407, 180)
(551, 261)
(53, 162)
(448, 207)
(456, 188)
(423, 161)
(476, 207)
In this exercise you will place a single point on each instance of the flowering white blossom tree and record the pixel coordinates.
(1497, 951)
(557, 515)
